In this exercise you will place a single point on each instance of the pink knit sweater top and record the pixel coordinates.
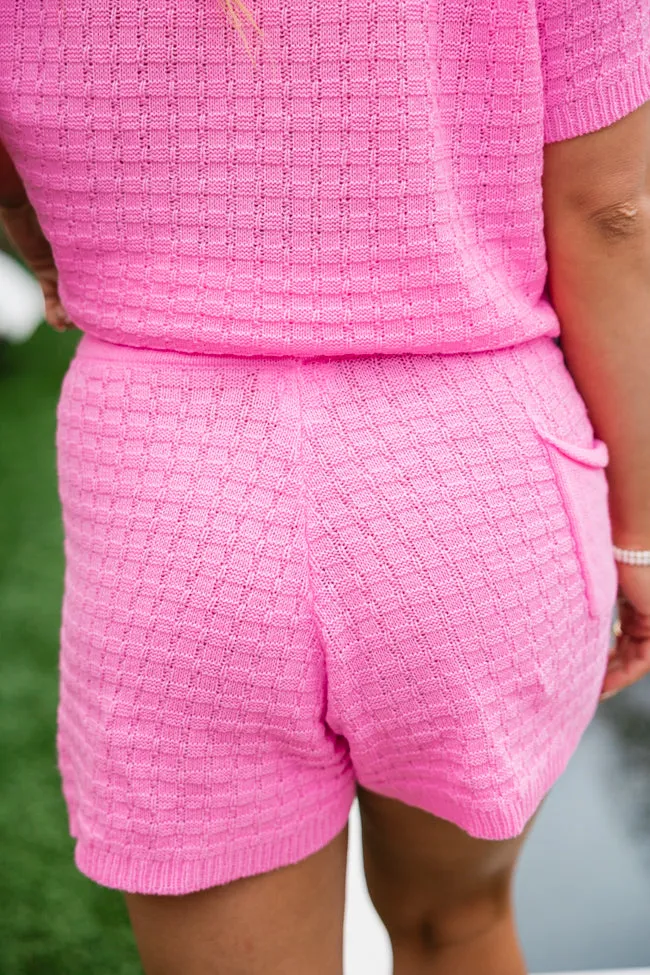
(370, 182)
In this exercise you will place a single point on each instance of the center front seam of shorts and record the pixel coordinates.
(302, 485)
(316, 618)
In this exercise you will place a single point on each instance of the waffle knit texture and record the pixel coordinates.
(371, 184)
(285, 576)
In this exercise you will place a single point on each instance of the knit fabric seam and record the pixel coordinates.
(303, 494)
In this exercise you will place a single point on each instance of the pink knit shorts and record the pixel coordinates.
(288, 575)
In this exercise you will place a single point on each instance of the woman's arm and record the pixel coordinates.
(12, 191)
(597, 218)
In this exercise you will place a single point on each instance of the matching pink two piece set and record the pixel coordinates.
(334, 509)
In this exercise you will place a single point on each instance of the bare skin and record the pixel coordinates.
(597, 224)
(445, 897)
(278, 923)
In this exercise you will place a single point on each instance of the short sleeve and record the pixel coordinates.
(595, 63)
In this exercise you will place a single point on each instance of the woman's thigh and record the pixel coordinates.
(417, 863)
(445, 897)
(281, 922)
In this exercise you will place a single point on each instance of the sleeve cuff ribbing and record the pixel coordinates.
(601, 107)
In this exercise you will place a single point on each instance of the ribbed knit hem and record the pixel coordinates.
(181, 876)
(502, 819)
(601, 107)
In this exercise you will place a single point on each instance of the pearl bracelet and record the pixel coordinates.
(632, 556)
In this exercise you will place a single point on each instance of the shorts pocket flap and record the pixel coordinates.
(584, 491)
(596, 455)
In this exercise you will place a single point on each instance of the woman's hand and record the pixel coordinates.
(24, 231)
(630, 659)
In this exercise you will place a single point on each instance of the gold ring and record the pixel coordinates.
(617, 629)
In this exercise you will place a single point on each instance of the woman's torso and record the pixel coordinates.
(372, 185)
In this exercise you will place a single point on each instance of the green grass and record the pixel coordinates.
(54, 921)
